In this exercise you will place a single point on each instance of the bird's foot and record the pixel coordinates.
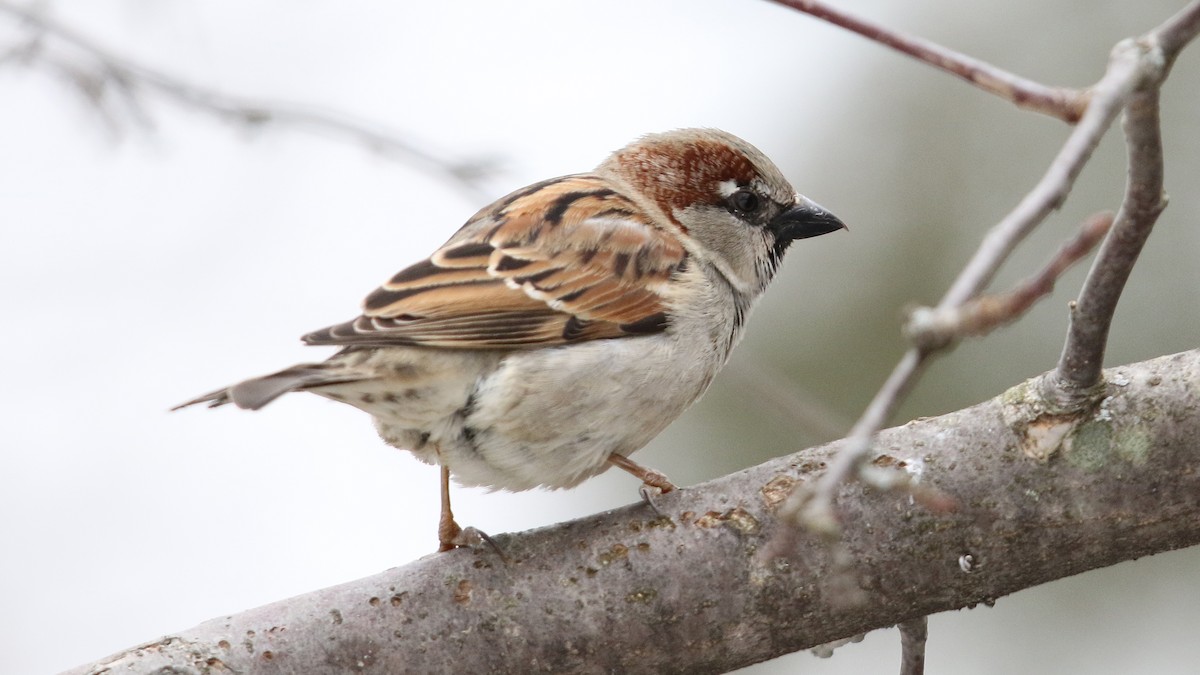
(451, 536)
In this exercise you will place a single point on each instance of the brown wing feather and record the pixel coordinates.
(563, 261)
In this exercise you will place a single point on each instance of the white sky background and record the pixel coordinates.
(137, 273)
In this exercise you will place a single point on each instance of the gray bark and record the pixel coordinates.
(694, 591)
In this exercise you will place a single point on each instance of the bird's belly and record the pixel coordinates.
(552, 417)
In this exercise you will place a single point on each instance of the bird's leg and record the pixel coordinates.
(650, 477)
(448, 530)
(451, 536)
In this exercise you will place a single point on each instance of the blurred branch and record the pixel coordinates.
(115, 86)
(630, 591)
(791, 403)
(1136, 66)
(1065, 104)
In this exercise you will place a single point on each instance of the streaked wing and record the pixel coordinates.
(561, 261)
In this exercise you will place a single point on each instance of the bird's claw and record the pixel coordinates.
(451, 536)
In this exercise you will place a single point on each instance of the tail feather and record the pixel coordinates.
(256, 392)
(212, 398)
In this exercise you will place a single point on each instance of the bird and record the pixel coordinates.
(566, 324)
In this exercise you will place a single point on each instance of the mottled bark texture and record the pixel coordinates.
(691, 590)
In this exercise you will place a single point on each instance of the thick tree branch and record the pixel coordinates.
(692, 591)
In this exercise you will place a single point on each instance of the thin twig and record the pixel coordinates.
(110, 72)
(930, 328)
(1078, 374)
(913, 634)
(1077, 379)
(1063, 103)
(1176, 32)
(811, 505)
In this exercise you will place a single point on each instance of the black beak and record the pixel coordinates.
(805, 219)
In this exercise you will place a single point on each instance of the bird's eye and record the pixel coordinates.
(744, 201)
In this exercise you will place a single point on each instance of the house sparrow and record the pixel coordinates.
(566, 324)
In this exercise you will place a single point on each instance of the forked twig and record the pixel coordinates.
(1136, 67)
(930, 328)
